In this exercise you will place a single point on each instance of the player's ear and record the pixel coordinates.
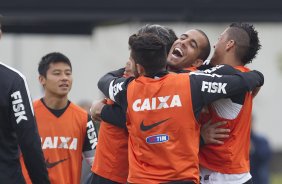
(230, 44)
(197, 63)
(140, 69)
(42, 80)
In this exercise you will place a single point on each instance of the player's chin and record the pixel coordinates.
(65, 89)
(63, 92)
(173, 62)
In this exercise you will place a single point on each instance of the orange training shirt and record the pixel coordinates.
(62, 140)
(233, 156)
(163, 132)
(111, 157)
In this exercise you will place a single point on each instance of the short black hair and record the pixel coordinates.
(166, 34)
(205, 52)
(246, 40)
(148, 50)
(53, 57)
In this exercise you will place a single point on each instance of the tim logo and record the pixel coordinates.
(156, 139)
(18, 107)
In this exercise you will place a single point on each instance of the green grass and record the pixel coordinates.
(276, 178)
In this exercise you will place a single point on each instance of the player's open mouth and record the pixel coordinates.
(177, 52)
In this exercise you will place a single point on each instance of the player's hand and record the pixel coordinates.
(96, 108)
(128, 72)
(212, 134)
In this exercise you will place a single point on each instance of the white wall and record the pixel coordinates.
(106, 49)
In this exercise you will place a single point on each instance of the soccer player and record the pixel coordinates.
(66, 130)
(18, 131)
(229, 162)
(162, 113)
(111, 160)
(191, 49)
(187, 53)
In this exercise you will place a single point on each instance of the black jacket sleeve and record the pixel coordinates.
(227, 70)
(206, 88)
(114, 87)
(111, 83)
(221, 70)
(91, 136)
(22, 118)
(114, 114)
(90, 141)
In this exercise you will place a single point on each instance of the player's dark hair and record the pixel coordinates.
(246, 41)
(167, 35)
(54, 57)
(149, 51)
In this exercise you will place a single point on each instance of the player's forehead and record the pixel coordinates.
(196, 36)
(59, 66)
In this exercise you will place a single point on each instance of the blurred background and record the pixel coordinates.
(94, 35)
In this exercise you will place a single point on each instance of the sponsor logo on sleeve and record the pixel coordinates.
(18, 107)
(213, 87)
(115, 89)
(91, 134)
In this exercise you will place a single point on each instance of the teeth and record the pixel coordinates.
(179, 51)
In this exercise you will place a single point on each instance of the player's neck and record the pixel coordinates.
(55, 102)
(231, 60)
(234, 63)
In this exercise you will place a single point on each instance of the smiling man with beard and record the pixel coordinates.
(189, 51)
